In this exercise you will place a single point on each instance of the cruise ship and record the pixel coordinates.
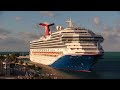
(70, 48)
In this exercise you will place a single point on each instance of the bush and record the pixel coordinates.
(2, 57)
(17, 54)
(21, 62)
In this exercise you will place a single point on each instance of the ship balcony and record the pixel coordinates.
(89, 46)
(74, 46)
(92, 51)
(80, 51)
(78, 46)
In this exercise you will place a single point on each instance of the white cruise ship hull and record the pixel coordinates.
(68, 61)
(46, 60)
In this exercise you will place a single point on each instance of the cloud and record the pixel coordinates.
(111, 35)
(17, 18)
(111, 38)
(18, 42)
(11, 43)
(0, 26)
(2, 37)
(4, 33)
(11, 40)
(48, 13)
(28, 36)
(96, 20)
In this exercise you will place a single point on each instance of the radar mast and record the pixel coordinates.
(70, 23)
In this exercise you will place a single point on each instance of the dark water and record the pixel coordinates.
(19, 53)
(107, 68)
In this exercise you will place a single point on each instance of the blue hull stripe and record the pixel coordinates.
(83, 63)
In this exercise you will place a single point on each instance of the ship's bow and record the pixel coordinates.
(77, 63)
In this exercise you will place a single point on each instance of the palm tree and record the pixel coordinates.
(13, 57)
(8, 57)
(2, 57)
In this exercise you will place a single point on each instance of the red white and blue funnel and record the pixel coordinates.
(47, 29)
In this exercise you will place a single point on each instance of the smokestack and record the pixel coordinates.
(47, 29)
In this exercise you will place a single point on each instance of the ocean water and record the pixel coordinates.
(106, 68)
(19, 53)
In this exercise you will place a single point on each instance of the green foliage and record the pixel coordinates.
(16, 61)
(2, 57)
(33, 66)
(38, 68)
(13, 57)
(17, 54)
(21, 62)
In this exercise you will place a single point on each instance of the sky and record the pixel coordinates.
(18, 28)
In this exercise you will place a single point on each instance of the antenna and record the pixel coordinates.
(70, 23)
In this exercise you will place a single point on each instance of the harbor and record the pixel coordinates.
(25, 69)
(107, 68)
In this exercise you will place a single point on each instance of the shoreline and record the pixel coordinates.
(55, 72)
(46, 72)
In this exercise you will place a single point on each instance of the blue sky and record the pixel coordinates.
(17, 28)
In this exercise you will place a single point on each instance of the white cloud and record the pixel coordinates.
(111, 39)
(3, 37)
(48, 13)
(28, 36)
(11, 43)
(96, 20)
(4, 31)
(18, 18)
(18, 42)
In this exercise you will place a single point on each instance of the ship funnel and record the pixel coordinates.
(47, 29)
